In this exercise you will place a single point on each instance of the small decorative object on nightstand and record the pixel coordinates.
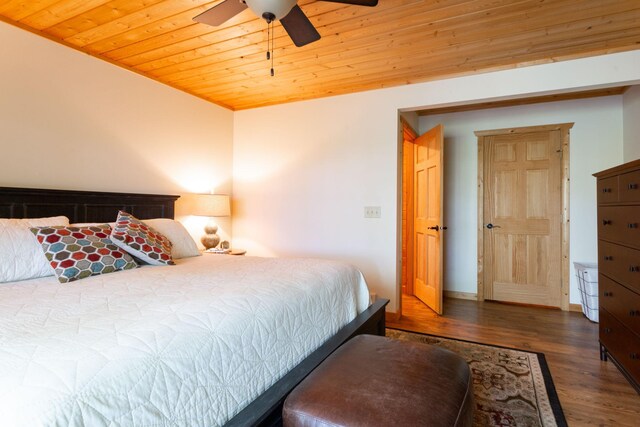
(221, 251)
(212, 205)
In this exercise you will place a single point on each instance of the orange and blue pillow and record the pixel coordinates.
(79, 252)
(141, 240)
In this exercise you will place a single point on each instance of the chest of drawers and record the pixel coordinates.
(619, 267)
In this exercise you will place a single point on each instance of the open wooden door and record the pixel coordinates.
(428, 218)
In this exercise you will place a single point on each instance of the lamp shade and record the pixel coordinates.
(211, 205)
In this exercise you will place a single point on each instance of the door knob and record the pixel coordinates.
(490, 226)
(435, 227)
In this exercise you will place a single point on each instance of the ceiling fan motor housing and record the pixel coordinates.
(274, 9)
(269, 17)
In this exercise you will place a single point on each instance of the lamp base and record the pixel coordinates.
(210, 239)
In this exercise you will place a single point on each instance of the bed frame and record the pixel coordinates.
(91, 206)
(82, 206)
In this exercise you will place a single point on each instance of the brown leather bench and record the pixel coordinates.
(378, 381)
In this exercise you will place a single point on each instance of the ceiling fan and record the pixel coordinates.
(292, 18)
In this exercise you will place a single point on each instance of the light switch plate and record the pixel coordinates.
(372, 211)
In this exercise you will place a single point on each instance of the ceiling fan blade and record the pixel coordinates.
(299, 28)
(370, 3)
(221, 12)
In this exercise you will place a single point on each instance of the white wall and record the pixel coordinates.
(304, 171)
(596, 144)
(631, 103)
(70, 121)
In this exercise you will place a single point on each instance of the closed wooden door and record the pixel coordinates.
(427, 218)
(522, 232)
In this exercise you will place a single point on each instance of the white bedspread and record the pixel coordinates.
(184, 345)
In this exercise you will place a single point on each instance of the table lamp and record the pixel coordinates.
(211, 205)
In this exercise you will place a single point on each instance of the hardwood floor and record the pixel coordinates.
(591, 392)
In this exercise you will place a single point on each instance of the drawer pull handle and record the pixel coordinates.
(606, 222)
(633, 313)
(633, 356)
(608, 294)
(607, 330)
(633, 186)
(634, 269)
(606, 190)
(608, 258)
(632, 225)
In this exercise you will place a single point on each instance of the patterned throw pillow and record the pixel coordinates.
(141, 240)
(79, 252)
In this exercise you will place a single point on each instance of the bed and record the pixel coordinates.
(204, 342)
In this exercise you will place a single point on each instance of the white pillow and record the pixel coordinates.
(21, 256)
(183, 244)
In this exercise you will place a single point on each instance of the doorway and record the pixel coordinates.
(523, 212)
(422, 216)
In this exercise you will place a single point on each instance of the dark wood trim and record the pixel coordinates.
(266, 410)
(82, 206)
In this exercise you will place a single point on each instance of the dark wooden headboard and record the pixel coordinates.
(82, 206)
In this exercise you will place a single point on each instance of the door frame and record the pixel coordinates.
(564, 129)
(409, 136)
(402, 124)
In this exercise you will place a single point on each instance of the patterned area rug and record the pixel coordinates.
(511, 387)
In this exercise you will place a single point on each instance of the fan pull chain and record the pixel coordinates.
(272, 50)
(270, 17)
(268, 35)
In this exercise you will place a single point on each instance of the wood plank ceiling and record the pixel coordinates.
(396, 43)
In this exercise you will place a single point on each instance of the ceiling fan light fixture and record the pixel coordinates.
(300, 30)
(277, 8)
